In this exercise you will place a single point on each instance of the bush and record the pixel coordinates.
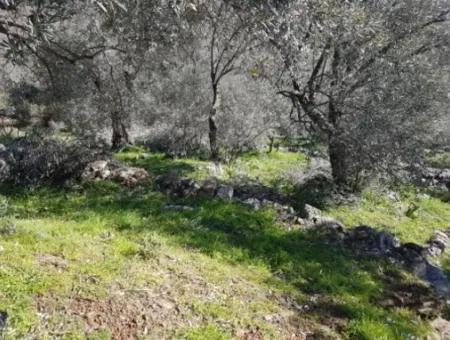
(37, 159)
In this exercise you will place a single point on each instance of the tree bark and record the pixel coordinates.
(120, 136)
(213, 146)
(339, 161)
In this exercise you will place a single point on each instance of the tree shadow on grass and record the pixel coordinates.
(300, 261)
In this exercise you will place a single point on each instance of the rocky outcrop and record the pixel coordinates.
(103, 170)
(369, 241)
(363, 239)
(437, 244)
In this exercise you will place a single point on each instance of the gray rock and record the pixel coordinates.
(432, 275)
(254, 203)
(437, 244)
(96, 170)
(208, 188)
(311, 213)
(129, 176)
(225, 192)
(372, 241)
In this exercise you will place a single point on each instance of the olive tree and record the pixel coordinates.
(361, 73)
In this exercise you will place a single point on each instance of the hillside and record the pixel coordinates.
(101, 261)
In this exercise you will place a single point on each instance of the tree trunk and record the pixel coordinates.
(214, 148)
(120, 136)
(339, 161)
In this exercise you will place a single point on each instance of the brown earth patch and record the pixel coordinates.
(50, 260)
(127, 315)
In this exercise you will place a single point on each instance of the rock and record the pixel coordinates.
(225, 192)
(254, 203)
(392, 195)
(168, 182)
(3, 148)
(442, 329)
(331, 229)
(433, 275)
(411, 252)
(311, 213)
(372, 241)
(96, 170)
(129, 176)
(56, 126)
(440, 239)
(208, 188)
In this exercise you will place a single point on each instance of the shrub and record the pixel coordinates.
(37, 159)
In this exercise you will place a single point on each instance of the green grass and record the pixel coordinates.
(228, 270)
(111, 237)
(413, 218)
(266, 168)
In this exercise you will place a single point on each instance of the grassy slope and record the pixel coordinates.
(216, 272)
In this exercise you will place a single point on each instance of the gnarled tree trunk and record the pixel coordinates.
(339, 159)
(120, 136)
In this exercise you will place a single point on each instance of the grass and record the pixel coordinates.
(413, 217)
(219, 271)
(266, 168)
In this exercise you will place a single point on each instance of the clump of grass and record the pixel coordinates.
(207, 332)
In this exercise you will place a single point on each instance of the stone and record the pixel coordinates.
(372, 241)
(391, 195)
(441, 328)
(96, 170)
(56, 126)
(129, 176)
(208, 188)
(311, 213)
(433, 275)
(437, 244)
(254, 203)
(333, 230)
(225, 192)
(386, 242)
(440, 239)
